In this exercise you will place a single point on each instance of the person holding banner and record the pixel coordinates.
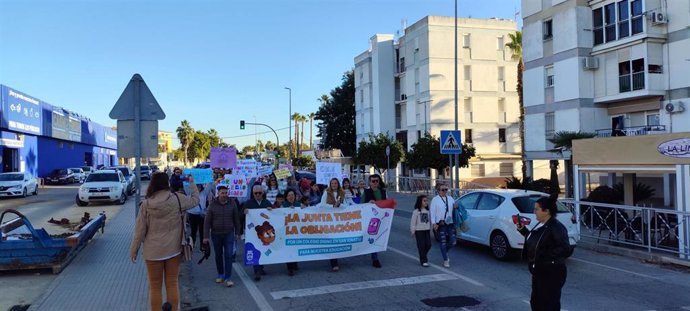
(442, 218)
(420, 227)
(222, 224)
(314, 194)
(256, 202)
(290, 202)
(361, 187)
(350, 194)
(333, 197)
(371, 195)
(272, 189)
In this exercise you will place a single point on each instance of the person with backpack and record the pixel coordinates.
(546, 248)
(420, 228)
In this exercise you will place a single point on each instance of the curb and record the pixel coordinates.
(641, 255)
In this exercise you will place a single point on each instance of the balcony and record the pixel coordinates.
(633, 131)
(625, 84)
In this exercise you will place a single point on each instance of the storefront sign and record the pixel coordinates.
(21, 112)
(677, 148)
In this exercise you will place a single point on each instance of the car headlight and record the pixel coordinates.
(114, 189)
(16, 187)
(83, 189)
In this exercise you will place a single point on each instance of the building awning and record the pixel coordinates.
(635, 105)
(648, 150)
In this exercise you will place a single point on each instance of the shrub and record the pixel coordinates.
(641, 192)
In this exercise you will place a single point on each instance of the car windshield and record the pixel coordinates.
(525, 204)
(124, 170)
(102, 177)
(59, 172)
(11, 177)
(86, 168)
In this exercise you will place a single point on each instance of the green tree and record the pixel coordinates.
(200, 147)
(303, 161)
(185, 133)
(515, 46)
(337, 116)
(563, 141)
(295, 139)
(270, 146)
(373, 152)
(302, 119)
(248, 148)
(215, 139)
(425, 153)
(311, 117)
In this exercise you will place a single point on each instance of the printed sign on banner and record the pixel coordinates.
(326, 171)
(282, 173)
(223, 157)
(294, 235)
(201, 175)
(286, 166)
(247, 168)
(237, 185)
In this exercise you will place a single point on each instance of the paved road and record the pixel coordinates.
(475, 281)
(51, 200)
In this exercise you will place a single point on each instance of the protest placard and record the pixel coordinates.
(237, 185)
(282, 173)
(246, 168)
(200, 175)
(326, 171)
(223, 157)
(296, 235)
(265, 170)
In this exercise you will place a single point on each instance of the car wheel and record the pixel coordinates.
(500, 247)
(35, 190)
(123, 198)
(24, 193)
(80, 202)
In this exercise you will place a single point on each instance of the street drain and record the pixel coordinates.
(451, 302)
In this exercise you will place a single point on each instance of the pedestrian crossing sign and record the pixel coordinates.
(450, 142)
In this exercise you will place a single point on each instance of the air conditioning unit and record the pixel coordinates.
(659, 18)
(591, 63)
(674, 108)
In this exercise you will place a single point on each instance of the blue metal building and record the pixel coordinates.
(38, 137)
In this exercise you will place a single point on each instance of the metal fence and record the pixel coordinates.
(651, 229)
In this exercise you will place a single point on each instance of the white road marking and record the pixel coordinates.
(614, 268)
(259, 298)
(346, 287)
(685, 308)
(447, 271)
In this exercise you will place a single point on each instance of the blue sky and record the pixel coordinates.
(210, 62)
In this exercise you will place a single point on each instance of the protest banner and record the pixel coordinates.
(223, 157)
(200, 175)
(326, 171)
(286, 166)
(282, 173)
(246, 168)
(237, 185)
(265, 170)
(295, 235)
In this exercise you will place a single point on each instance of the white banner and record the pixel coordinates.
(326, 171)
(294, 234)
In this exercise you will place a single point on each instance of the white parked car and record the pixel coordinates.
(492, 223)
(103, 186)
(17, 184)
(79, 174)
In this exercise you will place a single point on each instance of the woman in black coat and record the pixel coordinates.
(546, 248)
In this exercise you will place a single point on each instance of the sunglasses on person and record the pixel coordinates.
(444, 189)
(255, 193)
(375, 181)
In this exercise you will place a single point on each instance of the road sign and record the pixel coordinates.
(388, 150)
(450, 142)
(125, 106)
(127, 139)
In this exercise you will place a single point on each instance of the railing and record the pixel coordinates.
(651, 229)
(427, 186)
(638, 81)
(624, 83)
(633, 131)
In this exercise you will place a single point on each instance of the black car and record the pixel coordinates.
(62, 176)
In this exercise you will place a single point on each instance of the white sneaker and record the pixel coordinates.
(446, 263)
(426, 264)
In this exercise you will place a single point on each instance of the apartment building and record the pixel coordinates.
(617, 68)
(405, 88)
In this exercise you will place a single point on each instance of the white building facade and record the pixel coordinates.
(610, 67)
(405, 88)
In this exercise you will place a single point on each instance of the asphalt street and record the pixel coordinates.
(475, 281)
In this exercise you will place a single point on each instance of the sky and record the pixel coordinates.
(212, 63)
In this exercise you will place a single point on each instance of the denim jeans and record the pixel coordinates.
(223, 245)
(447, 235)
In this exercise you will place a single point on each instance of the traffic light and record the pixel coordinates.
(241, 124)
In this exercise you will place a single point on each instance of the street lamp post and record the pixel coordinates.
(289, 123)
(456, 162)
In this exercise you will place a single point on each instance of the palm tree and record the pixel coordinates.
(515, 46)
(311, 117)
(295, 117)
(563, 141)
(185, 133)
(302, 119)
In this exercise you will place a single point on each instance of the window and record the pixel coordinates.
(623, 19)
(468, 136)
(655, 68)
(506, 169)
(502, 135)
(598, 23)
(501, 73)
(469, 201)
(548, 29)
(624, 77)
(501, 45)
(653, 119)
(402, 64)
(548, 72)
(468, 73)
(489, 202)
(631, 75)
(477, 170)
(419, 135)
(361, 95)
(637, 14)
(361, 76)
(610, 22)
(549, 124)
(466, 40)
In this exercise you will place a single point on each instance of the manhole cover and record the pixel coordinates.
(451, 302)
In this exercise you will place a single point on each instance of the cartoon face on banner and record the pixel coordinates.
(266, 233)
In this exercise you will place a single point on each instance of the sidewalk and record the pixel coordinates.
(101, 277)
